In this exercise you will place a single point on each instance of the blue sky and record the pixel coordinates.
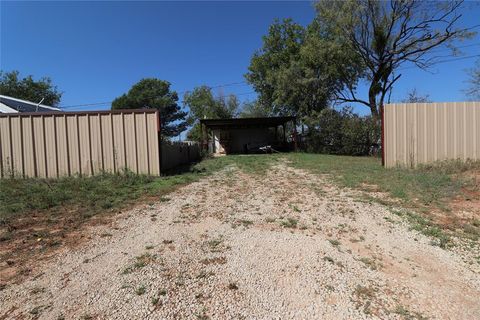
(95, 51)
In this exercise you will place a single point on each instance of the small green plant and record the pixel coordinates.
(289, 223)
(140, 262)
(140, 290)
(334, 242)
(245, 222)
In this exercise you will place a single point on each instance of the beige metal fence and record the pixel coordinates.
(86, 143)
(426, 132)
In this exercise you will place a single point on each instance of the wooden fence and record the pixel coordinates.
(50, 145)
(427, 132)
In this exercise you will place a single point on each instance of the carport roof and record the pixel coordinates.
(267, 122)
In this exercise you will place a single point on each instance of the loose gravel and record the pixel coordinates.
(284, 245)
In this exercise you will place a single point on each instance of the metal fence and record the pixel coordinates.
(426, 132)
(50, 145)
(175, 154)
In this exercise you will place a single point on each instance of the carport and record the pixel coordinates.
(249, 135)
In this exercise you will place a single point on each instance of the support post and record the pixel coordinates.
(382, 115)
(204, 138)
(295, 142)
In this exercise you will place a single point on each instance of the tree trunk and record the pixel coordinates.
(372, 99)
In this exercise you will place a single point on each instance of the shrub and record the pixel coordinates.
(342, 132)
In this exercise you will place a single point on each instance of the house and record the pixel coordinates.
(248, 135)
(14, 105)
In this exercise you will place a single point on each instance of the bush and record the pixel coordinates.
(342, 132)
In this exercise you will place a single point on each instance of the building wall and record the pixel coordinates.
(235, 140)
(425, 132)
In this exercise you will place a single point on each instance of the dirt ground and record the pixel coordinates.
(286, 245)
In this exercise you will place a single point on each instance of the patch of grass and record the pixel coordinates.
(407, 314)
(245, 222)
(88, 196)
(370, 263)
(423, 189)
(428, 228)
(289, 223)
(140, 262)
(425, 185)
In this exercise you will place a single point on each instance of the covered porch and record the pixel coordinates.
(249, 135)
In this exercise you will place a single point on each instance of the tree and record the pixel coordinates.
(254, 109)
(298, 69)
(386, 35)
(414, 97)
(474, 80)
(156, 94)
(270, 65)
(204, 105)
(11, 84)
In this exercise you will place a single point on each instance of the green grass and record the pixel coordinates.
(426, 185)
(88, 196)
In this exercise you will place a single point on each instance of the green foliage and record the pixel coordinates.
(204, 105)
(254, 109)
(269, 65)
(11, 84)
(342, 132)
(298, 70)
(155, 93)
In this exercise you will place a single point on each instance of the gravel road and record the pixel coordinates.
(286, 245)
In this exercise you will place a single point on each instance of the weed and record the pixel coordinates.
(329, 259)
(245, 222)
(232, 286)
(289, 223)
(334, 242)
(140, 262)
(140, 290)
(365, 292)
(215, 245)
(37, 290)
(369, 263)
(162, 292)
(407, 314)
(295, 208)
(155, 300)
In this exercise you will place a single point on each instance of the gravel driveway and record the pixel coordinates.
(285, 245)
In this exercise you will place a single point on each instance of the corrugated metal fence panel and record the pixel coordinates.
(425, 132)
(50, 145)
(175, 154)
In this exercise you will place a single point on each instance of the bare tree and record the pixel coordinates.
(387, 35)
(414, 97)
(474, 80)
